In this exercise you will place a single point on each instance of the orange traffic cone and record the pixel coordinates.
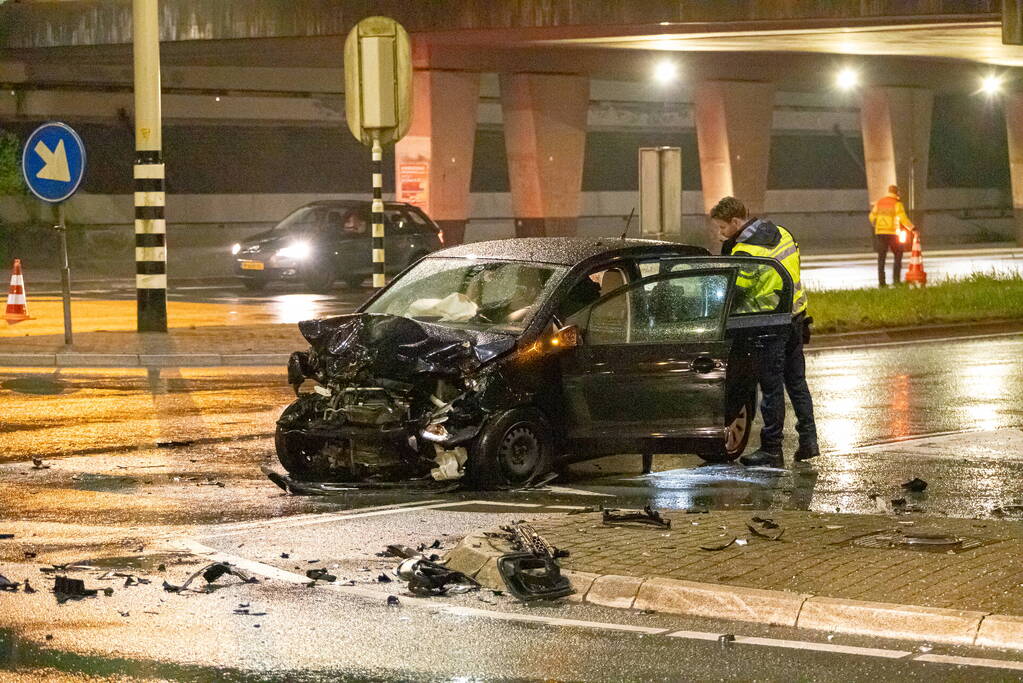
(916, 275)
(17, 308)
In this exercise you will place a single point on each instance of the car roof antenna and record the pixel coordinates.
(625, 232)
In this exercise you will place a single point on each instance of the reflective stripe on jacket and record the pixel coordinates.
(888, 215)
(763, 284)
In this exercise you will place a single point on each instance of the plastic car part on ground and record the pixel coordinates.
(210, 573)
(645, 516)
(530, 577)
(429, 578)
(533, 573)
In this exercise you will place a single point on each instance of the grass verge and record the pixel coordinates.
(973, 298)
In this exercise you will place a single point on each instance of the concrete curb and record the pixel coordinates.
(141, 360)
(476, 555)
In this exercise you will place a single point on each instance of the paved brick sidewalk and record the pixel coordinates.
(817, 554)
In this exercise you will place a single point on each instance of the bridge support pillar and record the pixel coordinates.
(545, 138)
(733, 132)
(1014, 128)
(433, 162)
(896, 125)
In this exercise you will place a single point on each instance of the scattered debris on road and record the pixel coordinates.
(8, 585)
(715, 548)
(210, 574)
(429, 578)
(530, 577)
(393, 601)
(321, 574)
(764, 524)
(37, 464)
(65, 588)
(915, 485)
(645, 516)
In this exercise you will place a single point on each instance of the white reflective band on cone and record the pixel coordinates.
(18, 280)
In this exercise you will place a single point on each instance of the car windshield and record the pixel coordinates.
(305, 219)
(492, 296)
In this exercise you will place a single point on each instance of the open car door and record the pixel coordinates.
(652, 361)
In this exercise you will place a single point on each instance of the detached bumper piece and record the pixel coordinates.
(531, 577)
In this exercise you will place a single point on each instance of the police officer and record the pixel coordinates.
(780, 362)
(888, 216)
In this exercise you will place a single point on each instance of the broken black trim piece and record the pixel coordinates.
(530, 577)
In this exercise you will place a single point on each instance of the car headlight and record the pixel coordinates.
(236, 248)
(295, 250)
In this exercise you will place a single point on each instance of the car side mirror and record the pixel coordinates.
(566, 337)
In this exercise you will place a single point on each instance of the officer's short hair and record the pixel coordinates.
(729, 208)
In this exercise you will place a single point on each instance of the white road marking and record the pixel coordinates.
(271, 572)
(971, 661)
(823, 647)
(306, 520)
(875, 345)
(577, 492)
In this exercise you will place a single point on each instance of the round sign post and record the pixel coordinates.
(378, 105)
(53, 164)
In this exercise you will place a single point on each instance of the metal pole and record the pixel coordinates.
(65, 274)
(379, 260)
(150, 226)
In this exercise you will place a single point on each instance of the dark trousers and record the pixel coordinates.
(882, 244)
(782, 368)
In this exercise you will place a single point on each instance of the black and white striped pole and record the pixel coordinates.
(379, 257)
(150, 198)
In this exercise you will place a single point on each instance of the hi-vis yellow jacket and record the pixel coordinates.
(762, 284)
(888, 216)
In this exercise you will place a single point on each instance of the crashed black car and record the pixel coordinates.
(495, 362)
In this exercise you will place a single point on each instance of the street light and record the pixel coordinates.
(991, 85)
(665, 72)
(847, 79)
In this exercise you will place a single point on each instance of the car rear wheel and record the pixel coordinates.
(741, 410)
(512, 450)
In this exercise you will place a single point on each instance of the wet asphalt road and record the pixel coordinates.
(885, 415)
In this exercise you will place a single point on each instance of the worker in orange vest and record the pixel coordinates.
(891, 232)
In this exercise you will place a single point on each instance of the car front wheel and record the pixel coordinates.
(512, 450)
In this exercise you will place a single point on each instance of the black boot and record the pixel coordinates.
(762, 458)
(807, 451)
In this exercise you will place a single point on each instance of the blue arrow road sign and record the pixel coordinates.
(53, 162)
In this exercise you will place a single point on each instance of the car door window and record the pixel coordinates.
(761, 285)
(664, 308)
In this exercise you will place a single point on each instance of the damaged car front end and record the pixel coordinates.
(394, 398)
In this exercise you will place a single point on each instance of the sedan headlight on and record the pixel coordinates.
(296, 250)
(236, 248)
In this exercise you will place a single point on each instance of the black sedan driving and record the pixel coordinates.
(328, 241)
(495, 362)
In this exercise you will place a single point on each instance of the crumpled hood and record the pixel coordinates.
(396, 348)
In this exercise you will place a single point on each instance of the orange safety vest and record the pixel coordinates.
(888, 216)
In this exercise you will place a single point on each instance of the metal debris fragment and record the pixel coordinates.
(715, 548)
(645, 516)
(915, 485)
(530, 577)
(321, 574)
(760, 534)
(429, 578)
(210, 574)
